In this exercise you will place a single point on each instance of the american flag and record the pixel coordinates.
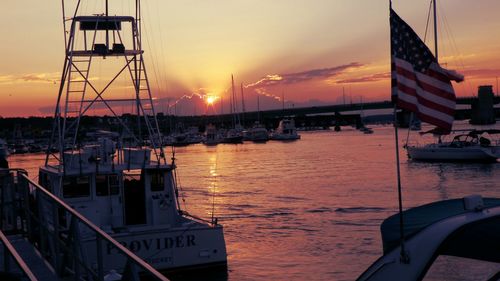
(419, 84)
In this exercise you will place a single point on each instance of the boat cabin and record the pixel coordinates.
(115, 194)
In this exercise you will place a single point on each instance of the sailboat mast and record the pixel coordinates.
(235, 105)
(242, 105)
(435, 31)
(258, 108)
(283, 102)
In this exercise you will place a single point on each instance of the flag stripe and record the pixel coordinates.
(406, 84)
(435, 121)
(411, 95)
(436, 74)
(421, 85)
(407, 70)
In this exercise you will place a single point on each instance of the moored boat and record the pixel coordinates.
(473, 146)
(211, 135)
(129, 190)
(258, 133)
(466, 228)
(286, 131)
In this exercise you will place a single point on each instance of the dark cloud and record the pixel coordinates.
(290, 78)
(483, 73)
(369, 78)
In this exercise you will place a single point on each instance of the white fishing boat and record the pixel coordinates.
(286, 131)
(128, 191)
(473, 146)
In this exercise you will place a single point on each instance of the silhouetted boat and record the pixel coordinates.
(211, 135)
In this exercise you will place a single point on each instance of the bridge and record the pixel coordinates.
(315, 116)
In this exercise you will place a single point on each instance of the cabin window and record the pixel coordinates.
(157, 181)
(106, 185)
(44, 181)
(74, 187)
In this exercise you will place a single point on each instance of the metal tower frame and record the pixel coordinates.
(73, 99)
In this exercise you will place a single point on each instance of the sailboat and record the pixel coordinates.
(130, 192)
(258, 133)
(414, 238)
(466, 146)
(470, 146)
(234, 134)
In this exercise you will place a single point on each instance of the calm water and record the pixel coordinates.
(311, 209)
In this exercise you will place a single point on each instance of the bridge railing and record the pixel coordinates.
(72, 244)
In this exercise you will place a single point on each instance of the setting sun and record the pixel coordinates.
(211, 100)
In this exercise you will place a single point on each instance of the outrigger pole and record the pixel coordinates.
(404, 258)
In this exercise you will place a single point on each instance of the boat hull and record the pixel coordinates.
(285, 137)
(472, 154)
(234, 140)
(168, 250)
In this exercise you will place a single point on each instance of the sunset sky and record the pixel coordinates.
(307, 50)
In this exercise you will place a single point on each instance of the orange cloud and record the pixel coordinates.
(32, 77)
(291, 78)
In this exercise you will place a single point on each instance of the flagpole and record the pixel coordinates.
(404, 258)
(435, 32)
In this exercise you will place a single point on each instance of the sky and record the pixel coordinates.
(311, 52)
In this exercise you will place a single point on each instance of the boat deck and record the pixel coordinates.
(37, 264)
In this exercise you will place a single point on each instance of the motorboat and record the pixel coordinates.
(211, 135)
(472, 146)
(258, 133)
(466, 228)
(129, 190)
(136, 201)
(286, 131)
(366, 130)
(234, 136)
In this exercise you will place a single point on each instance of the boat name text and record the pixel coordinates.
(180, 241)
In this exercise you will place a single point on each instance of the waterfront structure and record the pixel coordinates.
(483, 112)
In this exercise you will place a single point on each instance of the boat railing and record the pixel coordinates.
(10, 254)
(212, 222)
(68, 241)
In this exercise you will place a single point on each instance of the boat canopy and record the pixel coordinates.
(476, 240)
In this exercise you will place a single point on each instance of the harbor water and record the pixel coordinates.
(311, 209)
